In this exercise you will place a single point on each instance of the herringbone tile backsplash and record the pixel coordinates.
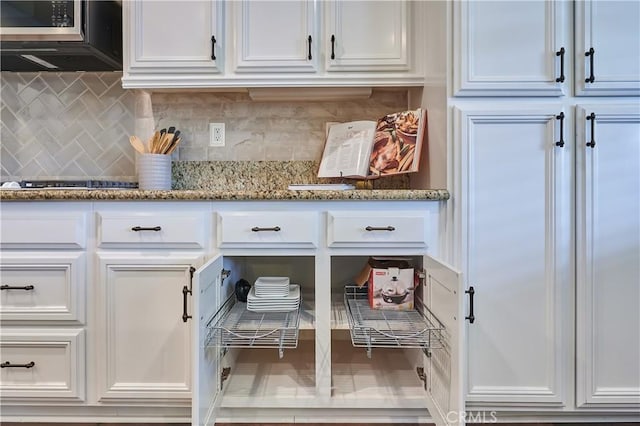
(77, 125)
(66, 125)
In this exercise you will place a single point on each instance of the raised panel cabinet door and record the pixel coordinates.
(144, 345)
(514, 221)
(607, 53)
(276, 36)
(173, 37)
(608, 256)
(367, 36)
(510, 48)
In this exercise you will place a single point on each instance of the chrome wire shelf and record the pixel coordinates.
(379, 328)
(234, 326)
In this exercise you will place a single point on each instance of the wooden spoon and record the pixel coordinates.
(137, 144)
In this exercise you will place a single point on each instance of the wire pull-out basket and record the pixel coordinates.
(234, 326)
(379, 328)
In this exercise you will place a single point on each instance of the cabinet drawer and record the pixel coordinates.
(267, 229)
(376, 229)
(39, 363)
(42, 286)
(54, 230)
(153, 230)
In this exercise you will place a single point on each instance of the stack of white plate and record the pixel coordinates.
(272, 286)
(278, 303)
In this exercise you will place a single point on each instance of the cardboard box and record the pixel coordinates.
(392, 284)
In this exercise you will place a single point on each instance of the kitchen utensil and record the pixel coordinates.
(242, 289)
(137, 144)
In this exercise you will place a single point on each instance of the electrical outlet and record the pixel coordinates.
(216, 134)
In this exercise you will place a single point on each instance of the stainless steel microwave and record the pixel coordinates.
(68, 35)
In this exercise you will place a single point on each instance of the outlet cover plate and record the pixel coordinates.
(216, 134)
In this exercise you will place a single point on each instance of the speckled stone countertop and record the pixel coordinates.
(192, 195)
(230, 181)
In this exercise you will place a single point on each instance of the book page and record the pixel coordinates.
(347, 149)
(398, 143)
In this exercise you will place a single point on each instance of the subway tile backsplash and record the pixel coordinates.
(76, 125)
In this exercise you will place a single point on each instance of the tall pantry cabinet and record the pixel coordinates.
(545, 177)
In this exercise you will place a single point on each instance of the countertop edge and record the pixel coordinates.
(203, 195)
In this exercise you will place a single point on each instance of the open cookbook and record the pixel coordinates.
(371, 149)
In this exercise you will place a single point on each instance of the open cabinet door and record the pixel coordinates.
(443, 294)
(206, 360)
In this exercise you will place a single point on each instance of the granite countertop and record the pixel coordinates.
(242, 180)
(193, 195)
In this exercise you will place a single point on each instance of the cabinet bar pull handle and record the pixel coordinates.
(380, 228)
(16, 287)
(471, 316)
(187, 291)
(142, 228)
(591, 53)
(7, 364)
(213, 47)
(258, 229)
(561, 54)
(309, 39)
(592, 143)
(333, 43)
(560, 117)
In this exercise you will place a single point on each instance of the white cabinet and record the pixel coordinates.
(518, 54)
(608, 244)
(301, 43)
(143, 345)
(530, 50)
(144, 262)
(43, 303)
(276, 36)
(42, 364)
(247, 366)
(607, 48)
(367, 36)
(184, 39)
(515, 247)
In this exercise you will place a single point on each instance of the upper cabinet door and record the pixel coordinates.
(276, 36)
(515, 48)
(607, 52)
(367, 36)
(172, 37)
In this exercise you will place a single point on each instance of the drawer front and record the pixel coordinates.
(55, 230)
(42, 286)
(376, 229)
(268, 229)
(38, 363)
(151, 230)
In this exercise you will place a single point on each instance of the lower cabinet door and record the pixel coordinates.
(515, 202)
(608, 249)
(42, 364)
(144, 346)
